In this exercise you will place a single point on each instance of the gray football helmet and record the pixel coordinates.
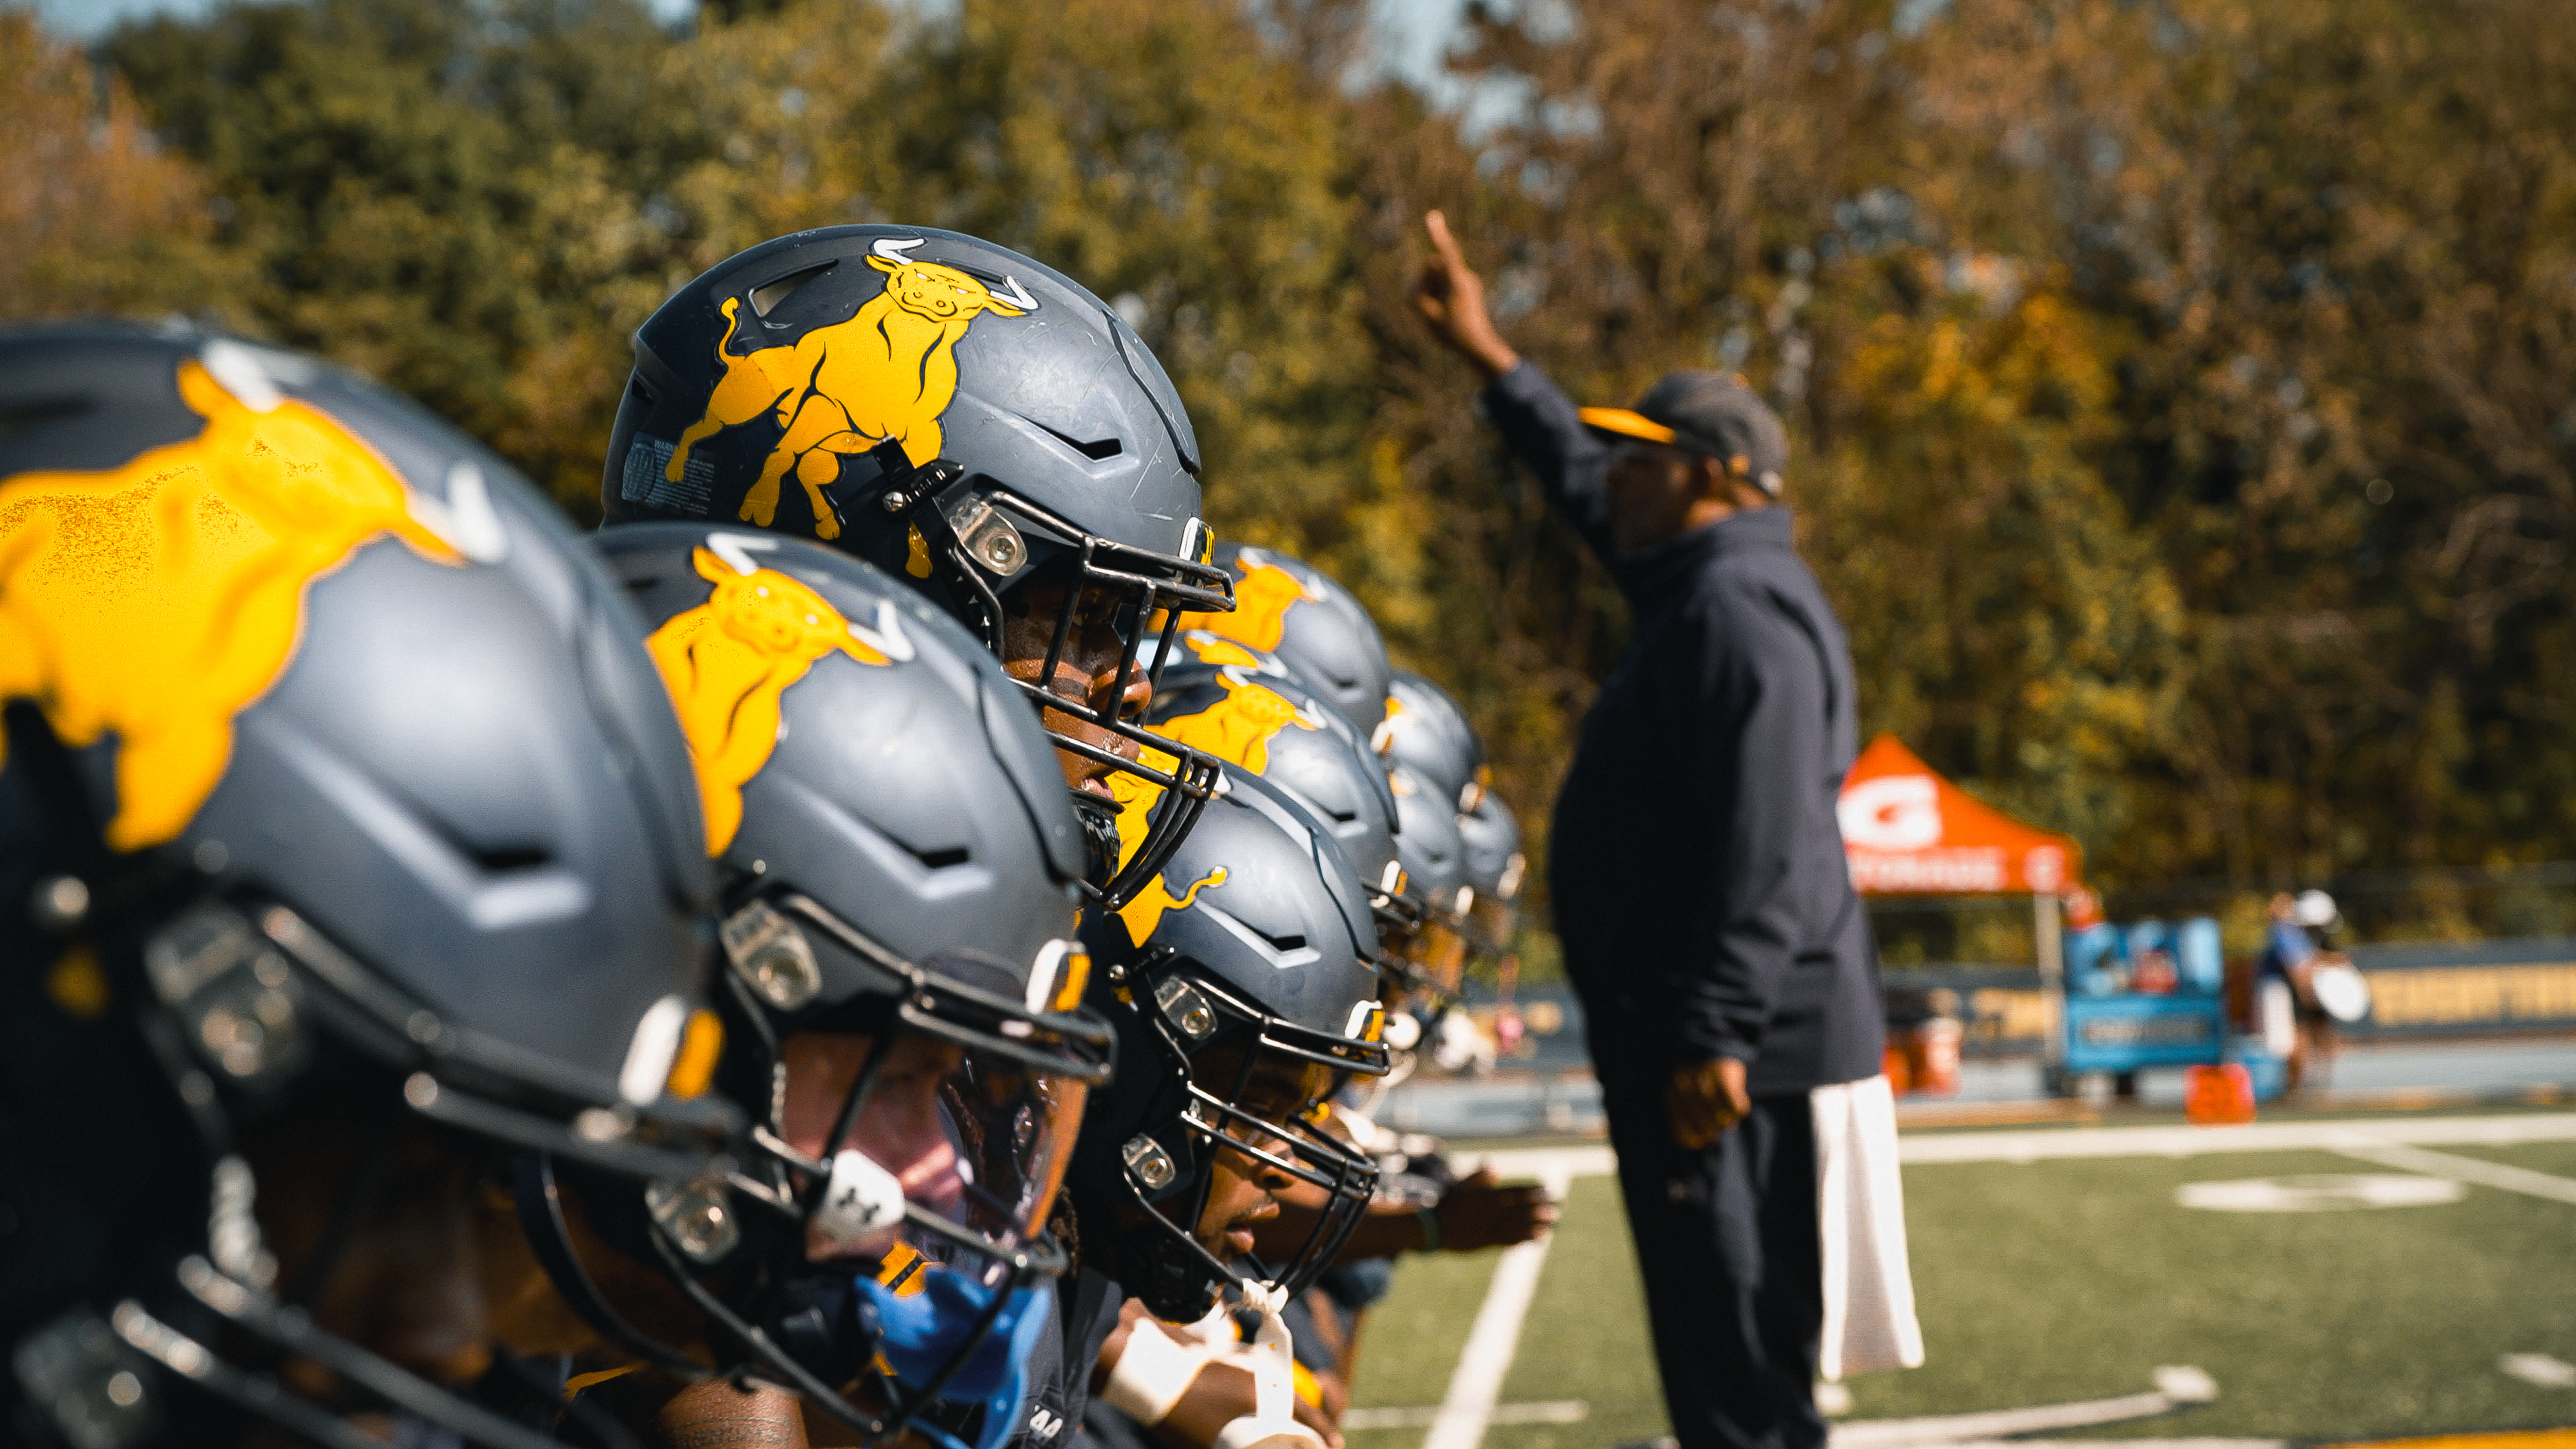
(336, 777)
(1428, 733)
(896, 854)
(963, 417)
(1258, 718)
(1253, 949)
(1433, 954)
(1491, 835)
(1289, 608)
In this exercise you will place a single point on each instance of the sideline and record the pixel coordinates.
(2395, 1133)
(1476, 1385)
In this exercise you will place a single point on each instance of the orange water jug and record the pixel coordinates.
(1900, 1073)
(2218, 1096)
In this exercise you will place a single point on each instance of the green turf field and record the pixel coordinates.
(2064, 1280)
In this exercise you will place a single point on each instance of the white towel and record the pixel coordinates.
(2278, 1014)
(1860, 1213)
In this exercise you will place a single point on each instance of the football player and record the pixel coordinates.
(976, 424)
(347, 845)
(1293, 616)
(1242, 991)
(898, 875)
(1495, 868)
(1249, 711)
(1428, 733)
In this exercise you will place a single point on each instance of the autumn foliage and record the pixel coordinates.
(2183, 392)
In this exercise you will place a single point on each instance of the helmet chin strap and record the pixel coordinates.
(1271, 1356)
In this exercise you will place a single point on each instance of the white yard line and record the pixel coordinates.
(2063, 1142)
(1995, 1423)
(2122, 1443)
(2463, 1169)
(2176, 1388)
(1551, 1163)
(1551, 1411)
(2253, 1137)
(1476, 1385)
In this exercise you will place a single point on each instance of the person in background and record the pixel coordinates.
(2318, 1038)
(1727, 972)
(2281, 990)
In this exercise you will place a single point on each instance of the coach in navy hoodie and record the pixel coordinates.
(1696, 870)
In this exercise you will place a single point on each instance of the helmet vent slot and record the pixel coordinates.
(943, 859)
(36, 412)
(1095, 450)
(766, 297)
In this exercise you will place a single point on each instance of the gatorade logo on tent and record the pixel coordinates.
(1892, 812)
(1908, 831)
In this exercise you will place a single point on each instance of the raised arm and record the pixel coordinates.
(1537, 421)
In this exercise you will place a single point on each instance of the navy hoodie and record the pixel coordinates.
(1695, 865)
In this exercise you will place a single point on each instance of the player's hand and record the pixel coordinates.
(1479, 1212)
(1451, 297)
(1221, 1394)
(1707, 1099)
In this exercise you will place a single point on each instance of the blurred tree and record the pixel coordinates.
(409, 181)
(1165, 156)
(2181, 390)
(2342, 233)
(99, 218)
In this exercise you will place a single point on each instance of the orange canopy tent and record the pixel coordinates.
(1907, 831)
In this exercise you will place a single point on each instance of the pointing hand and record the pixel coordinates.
(1451, 297)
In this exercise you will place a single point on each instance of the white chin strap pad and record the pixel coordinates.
(862, 1205)
(1272, 1424)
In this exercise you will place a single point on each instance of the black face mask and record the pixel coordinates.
(740, 1254)
(1166, 1171)
(977, 534)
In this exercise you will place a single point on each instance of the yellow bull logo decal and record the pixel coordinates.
(1236, 729)
(890, 372)
(729, 662)
(1145, 913)
(160, 599)
(1263, 594)
(1136, 798)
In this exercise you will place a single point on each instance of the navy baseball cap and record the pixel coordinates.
(1710, 413)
